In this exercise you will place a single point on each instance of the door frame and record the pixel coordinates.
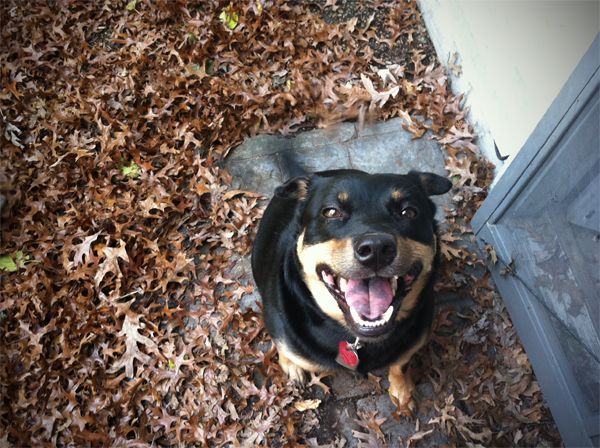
(528, 315)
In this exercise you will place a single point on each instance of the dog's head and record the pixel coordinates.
(366, 244)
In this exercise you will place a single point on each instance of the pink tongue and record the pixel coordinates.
(371, 297)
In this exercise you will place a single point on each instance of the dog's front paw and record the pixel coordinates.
(402, 397)
(401, 391)
(289, 367)
(294, 372)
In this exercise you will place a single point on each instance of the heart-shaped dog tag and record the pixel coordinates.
(347, 356)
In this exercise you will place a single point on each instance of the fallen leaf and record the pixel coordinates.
(11, 133)
(132, 170)
(232, 193)
(491, 254)
(378, 98)
(509, 270)
(14, 262)
(305, 405)
(111, 261)
(7, 263)
(130, 330)
(229, 17)
(83, 249)
(420, 435)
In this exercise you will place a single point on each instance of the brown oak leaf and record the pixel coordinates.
(130, 329)
(111, 263)
(82, 249)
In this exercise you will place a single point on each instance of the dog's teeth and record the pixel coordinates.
(376, 323)
(394, 285)
(328, 278)
(343, 284)
(388, 314)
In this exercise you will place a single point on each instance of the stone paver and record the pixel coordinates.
(348, 385)
(378, 148)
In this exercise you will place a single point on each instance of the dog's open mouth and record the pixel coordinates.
(369, 304)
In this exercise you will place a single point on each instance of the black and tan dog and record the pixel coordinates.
(343, 261)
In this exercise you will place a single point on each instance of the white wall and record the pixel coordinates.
(515, 57)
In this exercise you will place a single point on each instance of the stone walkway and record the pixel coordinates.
(379, 148)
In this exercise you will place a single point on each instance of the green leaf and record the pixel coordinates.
(131, 5)
(229, 17)
(21, 258)
(15, 262)
(132, 171)
(209, 67)
(7, 263)
(171, 364)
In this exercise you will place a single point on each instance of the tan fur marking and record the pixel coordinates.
(343, 196)
(335, 253)
(401, 384)
(425, 254)
(339, 255)
(293, 364)
(396, 195)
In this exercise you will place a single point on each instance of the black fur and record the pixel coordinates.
(290, 312)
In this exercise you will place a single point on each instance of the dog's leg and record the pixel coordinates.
(401, 384)
(293, 371)
(294, 365)
(401, 387)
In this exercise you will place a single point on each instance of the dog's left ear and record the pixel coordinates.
(433, 184)
(296, 188)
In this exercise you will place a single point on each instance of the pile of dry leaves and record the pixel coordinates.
(117, 322)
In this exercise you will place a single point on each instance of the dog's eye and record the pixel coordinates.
(332, 213)
(409, 212)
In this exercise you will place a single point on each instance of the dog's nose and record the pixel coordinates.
(375, 250)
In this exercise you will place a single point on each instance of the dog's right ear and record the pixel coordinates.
(296, 188)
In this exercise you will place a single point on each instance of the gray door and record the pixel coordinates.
(543, 220)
